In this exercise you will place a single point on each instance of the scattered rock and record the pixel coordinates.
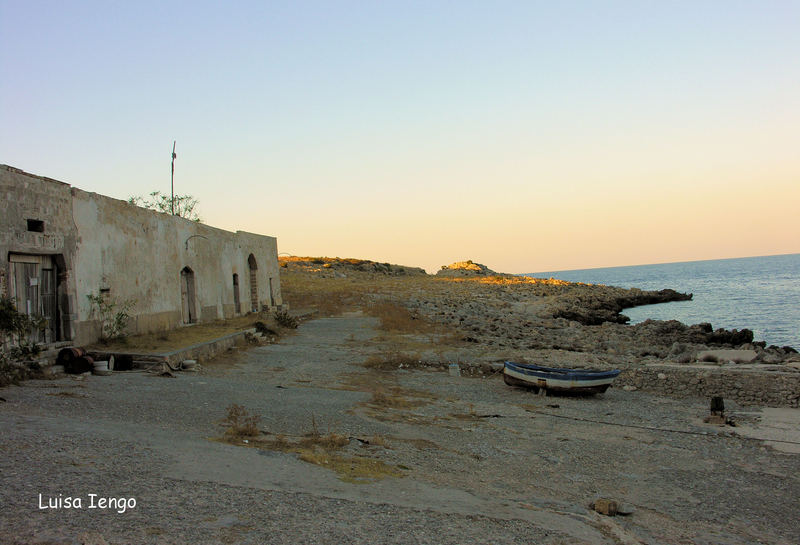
(91, 538)
(604, 506)
(625, 509)
(736, 356)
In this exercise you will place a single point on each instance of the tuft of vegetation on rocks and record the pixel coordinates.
(284, 319)
(17, 332)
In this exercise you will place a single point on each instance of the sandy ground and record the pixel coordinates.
(480, 462)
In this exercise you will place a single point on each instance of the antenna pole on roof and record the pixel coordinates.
(172, 181)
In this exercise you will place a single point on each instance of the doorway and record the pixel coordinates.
(271, 293)
(33, 289)
(237, 303)
(253, 266)
(188, 296)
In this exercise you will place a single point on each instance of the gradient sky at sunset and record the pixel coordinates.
(528, 135)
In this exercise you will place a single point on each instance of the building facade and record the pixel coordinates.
(59, 244)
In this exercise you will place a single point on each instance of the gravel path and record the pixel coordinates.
(483, 463)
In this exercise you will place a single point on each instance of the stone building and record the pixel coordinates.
(59, 244)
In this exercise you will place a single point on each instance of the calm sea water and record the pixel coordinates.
(758, 293)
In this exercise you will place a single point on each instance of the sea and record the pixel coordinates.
(758, 293)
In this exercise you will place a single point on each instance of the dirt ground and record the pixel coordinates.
(452, 459)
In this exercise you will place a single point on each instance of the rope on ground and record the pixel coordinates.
(166, 369)
(653, 428)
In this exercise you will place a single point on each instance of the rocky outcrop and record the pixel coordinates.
(338, 266)
(465, 268)
(570, 317)
(667, 332)
(605, 303)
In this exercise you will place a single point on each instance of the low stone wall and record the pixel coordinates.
(207, 350)
(201, 351)
(748, 385)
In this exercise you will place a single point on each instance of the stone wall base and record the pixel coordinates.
(764, 385)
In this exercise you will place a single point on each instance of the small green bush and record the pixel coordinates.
(113, 315)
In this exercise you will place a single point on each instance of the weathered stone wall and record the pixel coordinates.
(26, 197)
(125, 252)
(764, 385)
(131, 253)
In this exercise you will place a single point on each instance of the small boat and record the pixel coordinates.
(565, 381)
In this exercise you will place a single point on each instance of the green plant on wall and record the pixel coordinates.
(17, 331)
(114, 316)
(182, 205)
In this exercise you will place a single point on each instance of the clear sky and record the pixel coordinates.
(529, 135)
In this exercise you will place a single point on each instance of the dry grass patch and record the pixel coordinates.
(240, 423)
(385, 394)
(165, 341)
(503, 280)
(394, 398)
(353, 469)
(326, 296)
(315, 448)
(393, 359)
(324, 451)
(395, 317)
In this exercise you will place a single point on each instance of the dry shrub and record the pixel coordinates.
(285, 319)
(379, 440)
(331, 441)
(397, 398)
(392, 360)
(241, 423)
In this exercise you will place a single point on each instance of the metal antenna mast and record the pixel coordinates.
(172, 181)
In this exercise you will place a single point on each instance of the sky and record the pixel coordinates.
(528, 136)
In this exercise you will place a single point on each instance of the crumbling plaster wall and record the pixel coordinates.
(125, 252)
(130, 253)
(25, 196)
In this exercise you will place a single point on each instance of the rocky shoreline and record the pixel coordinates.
(553, 322)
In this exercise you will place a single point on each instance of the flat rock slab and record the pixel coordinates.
(778, 427)
(738, 356)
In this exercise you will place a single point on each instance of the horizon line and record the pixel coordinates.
(661, 263)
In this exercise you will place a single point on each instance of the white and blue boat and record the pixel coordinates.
(551, 379)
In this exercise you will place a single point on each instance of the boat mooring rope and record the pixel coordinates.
(669, 430)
